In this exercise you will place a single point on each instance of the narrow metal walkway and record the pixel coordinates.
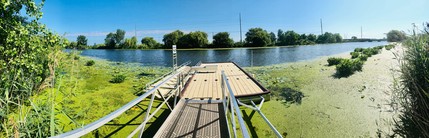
(195, 119)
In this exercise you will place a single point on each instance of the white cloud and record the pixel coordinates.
(128, 33)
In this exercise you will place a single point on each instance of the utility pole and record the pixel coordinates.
(321, 26)
(135, 30)
(241, 38)
(360, 32)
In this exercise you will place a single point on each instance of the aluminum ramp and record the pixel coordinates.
(192, 118)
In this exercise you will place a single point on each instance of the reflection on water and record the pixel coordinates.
(242, 56)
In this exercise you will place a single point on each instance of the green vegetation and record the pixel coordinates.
(348, 66)
(90, 63)
(118, 78)
(196, 39)
(396, 36)
(28, 55)
(412, 88)
(150, 43)
(257, 37)
(222, 40)
(334, 61)
(388, 47)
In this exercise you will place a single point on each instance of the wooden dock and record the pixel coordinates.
(198, 119)
(207, 85)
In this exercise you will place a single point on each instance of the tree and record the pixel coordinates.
(312, 38)
(222, 40)
(257, 37)
(291, 38)
(354, 37)
(110, 41)
(130, 43)
(196, 39)
(280, 36)
(326, 38)
(172, 38)
(28, 59)
(149, 42)
(119, 36)
(395, 36)
(273, 38)
(81, 42)
(338, 38)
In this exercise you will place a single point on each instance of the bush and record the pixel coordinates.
(370, 51)
(363, 57)
(359, 49)
(90, 63)
(354, 54)
(118, 78)
(348, 66)
(334, 61)
(388, 47)
(379, 47)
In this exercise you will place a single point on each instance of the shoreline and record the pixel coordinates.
(330, 107)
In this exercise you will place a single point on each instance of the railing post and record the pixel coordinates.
(147, 114)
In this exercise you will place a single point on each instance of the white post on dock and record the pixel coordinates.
(174, 58)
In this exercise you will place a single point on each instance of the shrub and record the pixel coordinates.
(388, 47)
(334, 61)
(354, 54)
(118, 78)
(370, 51)
(90, 63)
(359, 49)
(363, 57)
(348, 66)
(379, 47)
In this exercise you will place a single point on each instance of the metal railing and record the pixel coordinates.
(230, 100)
(163, 76)
(102, 121)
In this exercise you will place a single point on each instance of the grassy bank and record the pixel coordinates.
(84, 93)
(311, 102)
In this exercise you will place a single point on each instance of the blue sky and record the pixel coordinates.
(154, 18)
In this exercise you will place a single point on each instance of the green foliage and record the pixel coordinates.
(196, 39)
(257, 37)
(388, 47)
(28, 55)
(395, 36)
(130, 43)
(354, 54)
(81, 42)
(172, 38)
(118, 78)
(90, 63)
(222, 40)
(329, 38)
(348, 66)
(363, 57)
(273, 38)
(334, 61)
(412, 89)
(370, 51)
(115, 40)
(359, 49)
(149, 42)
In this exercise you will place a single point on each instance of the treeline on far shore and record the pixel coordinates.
(255, 37)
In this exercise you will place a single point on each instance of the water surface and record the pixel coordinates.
(243, 56)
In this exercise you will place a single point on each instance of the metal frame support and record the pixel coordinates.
(258, 109)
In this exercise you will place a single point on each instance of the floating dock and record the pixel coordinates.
(204, 100)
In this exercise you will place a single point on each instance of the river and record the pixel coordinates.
(242, 56)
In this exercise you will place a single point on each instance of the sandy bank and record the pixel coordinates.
(331, 107)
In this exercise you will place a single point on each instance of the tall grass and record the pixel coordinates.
(413, 89)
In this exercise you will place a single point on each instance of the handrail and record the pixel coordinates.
(166, 74)
(97, 124)
(234, 106)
